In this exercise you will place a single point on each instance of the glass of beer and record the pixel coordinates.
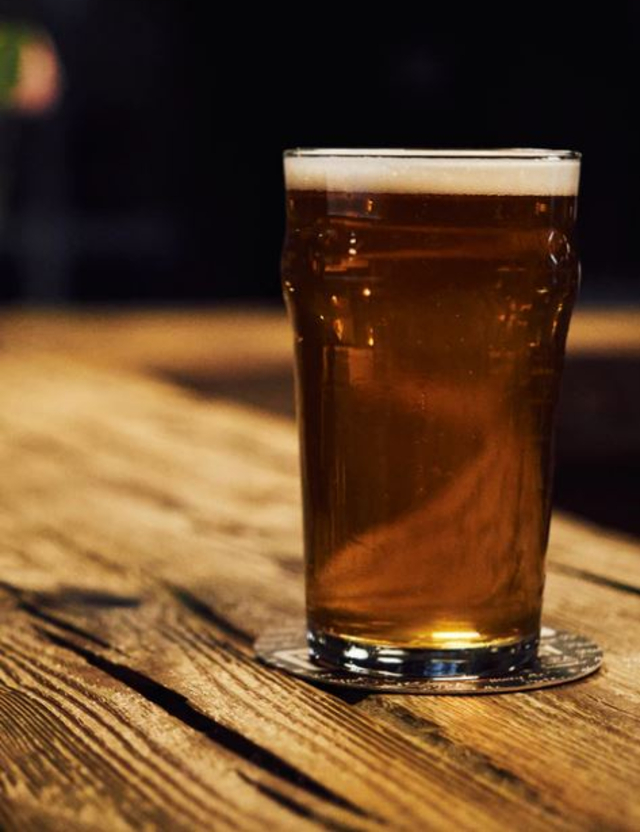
(430, 293)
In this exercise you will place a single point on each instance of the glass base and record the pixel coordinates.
(561, 657)
(369, 659)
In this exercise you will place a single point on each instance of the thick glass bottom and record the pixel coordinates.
(356, 656)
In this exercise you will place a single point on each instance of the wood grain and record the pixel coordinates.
(147, 537)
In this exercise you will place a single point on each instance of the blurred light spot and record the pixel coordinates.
(30, 71)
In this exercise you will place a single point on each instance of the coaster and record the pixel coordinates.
(562, 657)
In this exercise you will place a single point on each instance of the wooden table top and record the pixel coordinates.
(148, 535)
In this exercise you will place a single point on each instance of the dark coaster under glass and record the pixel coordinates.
(561, 656)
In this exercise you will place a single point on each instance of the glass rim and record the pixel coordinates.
(466, 154)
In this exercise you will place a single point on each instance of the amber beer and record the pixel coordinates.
(430, 295)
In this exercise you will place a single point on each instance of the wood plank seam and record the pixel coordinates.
(585, 575)
(177, 706)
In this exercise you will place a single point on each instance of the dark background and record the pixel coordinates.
(158, 177)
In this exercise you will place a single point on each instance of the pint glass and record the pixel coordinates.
(430, 294)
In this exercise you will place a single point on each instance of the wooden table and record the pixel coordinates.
(149, 534)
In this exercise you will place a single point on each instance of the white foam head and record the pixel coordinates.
(517, 172)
